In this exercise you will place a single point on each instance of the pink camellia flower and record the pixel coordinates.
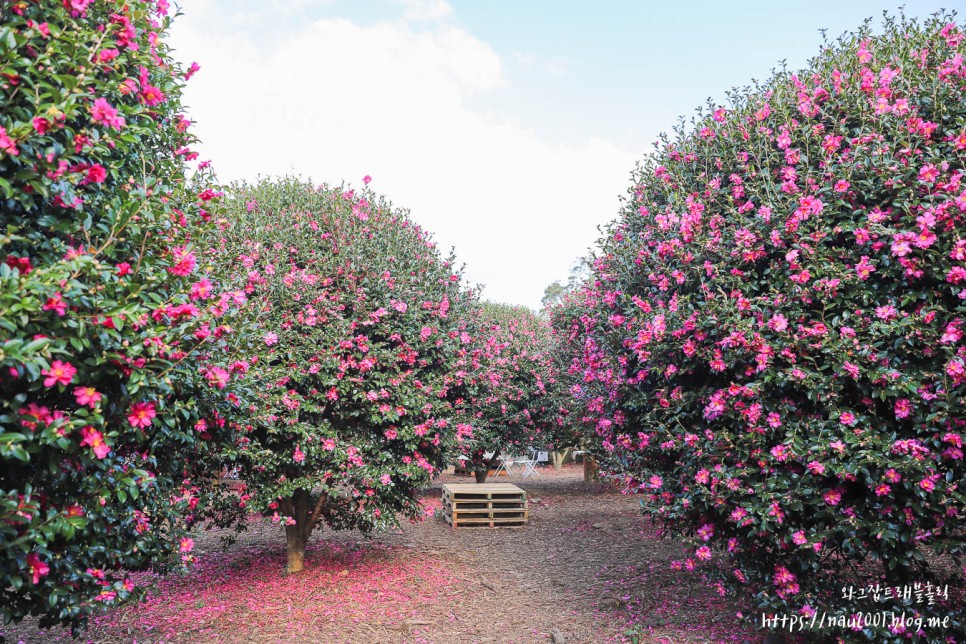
(151, 96)
(886, 313)
(385, 479)
(328, 444)
(217, 377)
(7, 144)
(956, 275)
(102, 112)
(87, 396)
(37, 567)
(93, 438)
(833, 497)
(780, 453)
(299, 455)
(778, 323)
(703, 553)
(924, 239)
(882, 489)
(864, 268)
(60, 373)
(655, 482)
(192, 70)
(187, 544)
(21, 264)
(270, 338)
(783, 576)
(56, 304)
(903, 408)
(366, 179)
(123, 269)
(929, 483)
(41, 125)
(851, 369)
(141, 414)
(706, 532)
(425, 333)
(738, 514)
(841, 186)
(107, 55)
(847, 418)
(952, 333)
(202, 289)
(956, 369)
(928, 173)
(799, 538)
(96, 174)
(816, 468)
(184, 261)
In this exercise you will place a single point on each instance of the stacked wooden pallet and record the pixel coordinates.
(486, 505)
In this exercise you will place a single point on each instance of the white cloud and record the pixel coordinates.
(336, 101)
(426, 10)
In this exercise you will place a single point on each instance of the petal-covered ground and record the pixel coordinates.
(587, 568)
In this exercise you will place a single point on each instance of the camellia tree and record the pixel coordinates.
(110, 390)
(361, 324)
(585, 372)
(771, 342)
(509, 398)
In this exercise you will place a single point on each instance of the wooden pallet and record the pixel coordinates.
(484, 505)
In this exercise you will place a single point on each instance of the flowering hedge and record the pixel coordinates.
(508, 387)
(360, 321)
(770, 347)
(105, 416)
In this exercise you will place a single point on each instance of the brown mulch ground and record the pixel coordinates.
(587, 568)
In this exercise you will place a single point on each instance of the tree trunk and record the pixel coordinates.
(297, 536)
(481, 465)
(591, 473)
(296, 549)
(559, 458)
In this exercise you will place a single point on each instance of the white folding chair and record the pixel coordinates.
(529, 465)
(506, 465)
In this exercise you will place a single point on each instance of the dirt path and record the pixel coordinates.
(586, 569)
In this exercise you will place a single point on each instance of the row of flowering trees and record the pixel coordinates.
(769, 348)
(156, 329)
(509, 396)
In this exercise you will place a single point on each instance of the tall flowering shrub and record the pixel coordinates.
(770, 347)
(508, 389)
(360, 320)
(586, 379)
(108, 396)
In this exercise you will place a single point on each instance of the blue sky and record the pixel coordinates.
(508, 128)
